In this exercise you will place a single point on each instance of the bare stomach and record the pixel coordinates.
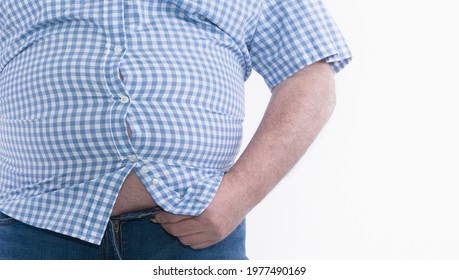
(133, 195)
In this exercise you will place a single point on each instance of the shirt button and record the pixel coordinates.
(118, 49)
(144, 169)
(124, 99)
(155, 181)
(133, 158)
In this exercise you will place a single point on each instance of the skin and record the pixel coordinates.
(298, 109)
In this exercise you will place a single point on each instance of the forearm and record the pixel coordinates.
(299, 108)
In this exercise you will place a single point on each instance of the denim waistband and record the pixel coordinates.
(137, 214)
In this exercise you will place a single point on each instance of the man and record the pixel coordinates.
(121, 120)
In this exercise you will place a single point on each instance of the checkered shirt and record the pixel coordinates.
(64, 147)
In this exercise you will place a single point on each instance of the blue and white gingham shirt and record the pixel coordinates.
(64, 146)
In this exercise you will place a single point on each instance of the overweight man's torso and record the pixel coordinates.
(67, 159)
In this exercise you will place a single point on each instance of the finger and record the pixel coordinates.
(193, 240)
(166, 217)
(203, 245)
(183, 228)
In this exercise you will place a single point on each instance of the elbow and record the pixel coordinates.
(332, 99)
(329, 95)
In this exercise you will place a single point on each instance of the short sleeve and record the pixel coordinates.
(292, 34)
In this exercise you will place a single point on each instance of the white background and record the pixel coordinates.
(381, 180)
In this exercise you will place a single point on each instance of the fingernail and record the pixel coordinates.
(153, 220)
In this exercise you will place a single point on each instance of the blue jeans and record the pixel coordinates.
(128, 236)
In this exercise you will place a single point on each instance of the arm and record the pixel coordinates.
(298, 109)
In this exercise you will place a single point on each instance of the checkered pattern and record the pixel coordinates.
(64, 147)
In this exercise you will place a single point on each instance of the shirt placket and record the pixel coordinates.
(115, 51)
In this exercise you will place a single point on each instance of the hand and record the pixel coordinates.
(214, 224)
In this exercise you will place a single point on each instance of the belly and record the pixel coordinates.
(133, 195)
